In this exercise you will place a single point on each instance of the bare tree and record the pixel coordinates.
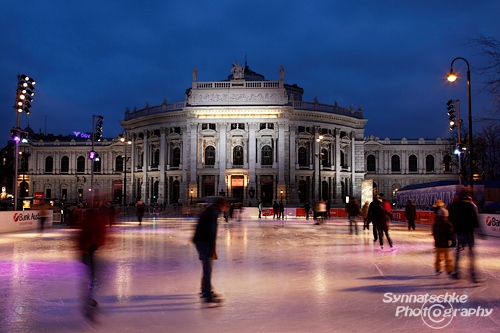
(488, 153)
(489, 73)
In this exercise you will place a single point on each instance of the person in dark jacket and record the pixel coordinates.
(282, 211)
(370, 218)
(352, 210)
(205, 239)
(139, 211)
(307, 208)
(381, 217)
(276, 210)
(444, 236)
(411, 214)
(464, 217)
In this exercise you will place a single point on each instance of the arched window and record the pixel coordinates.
(429, 163)
(65, 164)
(24, 162)
(156, 158)
(266, 156)
(395, 163)
(447, 163)
(210, 155)
(325, 158)
(238, 155)
(412, 163)
(176, 157)
(80, 164)
(371, 164)
(119, 163)
(49, 164)
(303, 157)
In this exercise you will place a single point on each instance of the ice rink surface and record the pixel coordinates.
(274, 276)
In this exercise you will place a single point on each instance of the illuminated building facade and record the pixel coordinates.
(244, 137)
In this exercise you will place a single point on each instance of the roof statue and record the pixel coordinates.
(195, 74)
(238, 71)
(282, 73)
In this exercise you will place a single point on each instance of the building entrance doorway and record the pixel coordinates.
(266, 189)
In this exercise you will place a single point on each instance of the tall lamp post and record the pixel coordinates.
(24, 94)
(123, 140)
(452, 77)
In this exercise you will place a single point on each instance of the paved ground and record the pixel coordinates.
(275, 277)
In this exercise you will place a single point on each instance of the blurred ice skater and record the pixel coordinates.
(205, 240)
(91, 237)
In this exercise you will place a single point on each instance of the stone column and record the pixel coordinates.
(145, 164)
(222, 153)
(353, 160)
(338, 188)
(133, 162)
(293, 197)
(161, 187)
(193, 160)
(252, 157)
(282, 156)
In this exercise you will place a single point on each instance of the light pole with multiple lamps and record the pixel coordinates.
(452, 77)
(24, 94)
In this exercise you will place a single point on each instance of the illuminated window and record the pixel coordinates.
(238, 155)
(447, 163)
(266, 156)
(210, 155)
(176, 157)
(303, 157)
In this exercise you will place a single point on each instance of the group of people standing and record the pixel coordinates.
(454, 228)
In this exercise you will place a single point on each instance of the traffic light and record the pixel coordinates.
(451, 114)
(24, 94)
(92, 154)
(459, 148)
(98, 128)
(15, 134)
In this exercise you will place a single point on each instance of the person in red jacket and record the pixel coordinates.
(92, 236)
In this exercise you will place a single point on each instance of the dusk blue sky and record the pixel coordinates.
(99, 57)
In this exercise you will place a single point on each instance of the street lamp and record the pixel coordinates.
(191, 197)
(281, 192)
(452, 77)
(122, 139)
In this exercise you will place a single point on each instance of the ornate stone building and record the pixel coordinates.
(244, 137)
